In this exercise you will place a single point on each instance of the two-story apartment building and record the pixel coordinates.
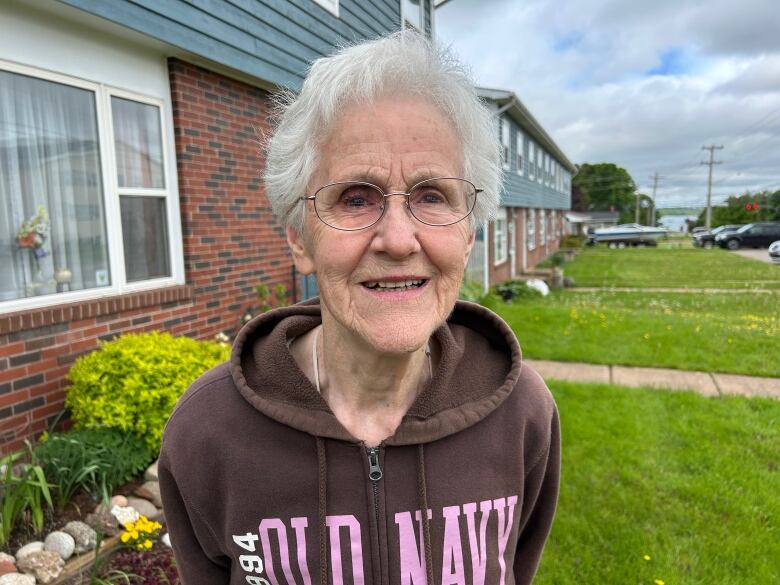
(130, 165)
(537, 192)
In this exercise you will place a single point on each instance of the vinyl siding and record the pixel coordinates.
(273, 40)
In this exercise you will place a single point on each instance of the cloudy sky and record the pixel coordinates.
(642, 84)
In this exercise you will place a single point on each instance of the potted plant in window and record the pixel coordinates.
(32, 236)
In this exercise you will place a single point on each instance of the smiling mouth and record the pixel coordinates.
(395, 285)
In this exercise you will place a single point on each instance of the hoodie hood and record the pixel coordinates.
(479, 367)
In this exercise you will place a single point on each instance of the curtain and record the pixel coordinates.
(50, 157)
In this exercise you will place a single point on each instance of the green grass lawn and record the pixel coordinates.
(664, 267)
(692, 482)
(732, 333)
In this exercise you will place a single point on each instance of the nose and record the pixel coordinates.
(397, 231)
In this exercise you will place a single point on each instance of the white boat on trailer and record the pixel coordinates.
(628, 234)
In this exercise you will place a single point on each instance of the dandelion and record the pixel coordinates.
(658, 582)
(646, 557)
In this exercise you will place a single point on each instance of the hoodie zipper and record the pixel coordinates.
(374, 475)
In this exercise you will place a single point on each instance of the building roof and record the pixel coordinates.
(520, 114)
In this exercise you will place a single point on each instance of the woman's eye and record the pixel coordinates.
(358, 197)
(431, 197)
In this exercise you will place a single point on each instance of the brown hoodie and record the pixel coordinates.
(262, 485)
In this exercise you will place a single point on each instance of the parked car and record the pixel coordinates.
(706, 239)
(698, 230)
(756, 235)
(774, 252)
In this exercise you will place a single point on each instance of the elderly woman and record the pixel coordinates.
(385, 433)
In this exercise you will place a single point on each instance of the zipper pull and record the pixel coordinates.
(374, 471)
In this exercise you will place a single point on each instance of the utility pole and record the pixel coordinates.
(655, 178)
(712, 148)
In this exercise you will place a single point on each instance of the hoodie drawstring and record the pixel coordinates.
(321, 509)
(422, 494)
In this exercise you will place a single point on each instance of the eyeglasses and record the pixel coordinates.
(356, 205)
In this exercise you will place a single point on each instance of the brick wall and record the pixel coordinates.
(231, 243)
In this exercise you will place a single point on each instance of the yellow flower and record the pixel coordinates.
(125, 537)
(148, 544)
(134, 534)
(646, 557)
(658, 582)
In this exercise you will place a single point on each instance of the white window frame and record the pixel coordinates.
(505, 147)
(111, 192)
(500, 247)
(519, 156)
(542, 226)
(531, 160)
(551, 225)
(539, 164)
(331, 6)
(530, 229)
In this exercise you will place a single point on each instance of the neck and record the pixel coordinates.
(368, 391)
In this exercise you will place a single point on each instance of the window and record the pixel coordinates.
(539, 164)
(542, 225)
(530, 228)
(505, 143)
(531, 160)
(551, 226)
(519, 147)
(499, 240)
(331, 6)
(83, 180)
(412, 11)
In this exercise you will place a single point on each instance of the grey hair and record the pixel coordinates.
(402, 62)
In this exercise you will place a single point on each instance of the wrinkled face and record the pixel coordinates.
(390, 285)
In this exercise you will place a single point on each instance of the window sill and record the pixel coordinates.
(76, 311)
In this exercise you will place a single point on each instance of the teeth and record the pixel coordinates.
(394, 284)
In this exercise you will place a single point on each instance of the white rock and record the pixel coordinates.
(46, 565)
(151, 473)
(144, 507)
(120, 501)
(166, 539)
(539, 285)
(28, 548)
(125, 514)
(60, 542)
(17, 579)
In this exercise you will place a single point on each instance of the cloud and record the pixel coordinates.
(643, 85)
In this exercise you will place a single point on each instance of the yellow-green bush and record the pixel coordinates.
(133, 382)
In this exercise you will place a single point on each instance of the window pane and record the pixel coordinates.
(145, 236)
(138, 144)
(412, 10)
(52, 220)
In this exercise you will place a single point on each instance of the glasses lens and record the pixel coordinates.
(442, 201)
(349, 206)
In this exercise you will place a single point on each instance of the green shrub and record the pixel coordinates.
(471, 290)
(573, 241)
(557, 259)
(516, 289)
(97, 460)
(133, 382)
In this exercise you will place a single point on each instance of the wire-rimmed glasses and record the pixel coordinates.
(357, 205)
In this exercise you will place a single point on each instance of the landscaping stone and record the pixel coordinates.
(150, 491)
(28, 548)
(151, 473)
(166, 539)
(17, 579)
(45, 565)
(84, 535)
(120, 501)
(7, 564)
(125, 514)
(60, 542)
(102, 520)
(144, 507)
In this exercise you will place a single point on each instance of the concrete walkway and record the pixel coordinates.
(705, 383)
(675, 290)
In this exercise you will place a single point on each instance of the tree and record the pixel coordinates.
(628, 215)
(606, 186)
(747, 208)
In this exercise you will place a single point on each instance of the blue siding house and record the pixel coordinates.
(536, 194)
(129, 134)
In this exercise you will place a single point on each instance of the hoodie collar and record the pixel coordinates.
(479, 367)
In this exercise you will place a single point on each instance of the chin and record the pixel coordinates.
(396, 335)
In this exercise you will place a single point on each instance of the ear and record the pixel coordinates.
(469, 247)
(304, 263)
